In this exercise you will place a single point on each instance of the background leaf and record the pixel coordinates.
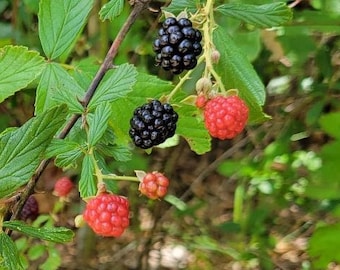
(330, 123)
(116, 84)
(268, 15)
(60, 22)
(57, 86)
(180, 5)
(87, 182)
(9, 256)
(237, 72)
(18, 67)
(111, 9)
(321, 246)
(53, 234)
(98, 122)
(22, 150)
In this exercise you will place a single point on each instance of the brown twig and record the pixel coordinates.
(139, 6)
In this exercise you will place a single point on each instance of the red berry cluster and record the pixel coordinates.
(225, 117)
(63, 186)
(154, 185)
(107, 214)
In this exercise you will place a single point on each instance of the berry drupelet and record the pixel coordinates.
(178, 45)
(152, 123)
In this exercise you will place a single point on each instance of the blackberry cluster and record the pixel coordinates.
(178, 45)
(152, 123)
(30, 209)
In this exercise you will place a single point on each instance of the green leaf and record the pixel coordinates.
(330, 123)
(53, 260)
(60, 23)
(87, 182)
(9, 256)
(180, 5)
(53, 234)
(111, 10)
(98, 122)
(36, 251)
(66, 152)
(122, 109)
(193, 129)
(175, 201)
(321, 246)
(118, 152)
(116, 84)
(325, 183)
(237, 72)
(18, 67)
(268, 15)
(56, 86)
(22, 150)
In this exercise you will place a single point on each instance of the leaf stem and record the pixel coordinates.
(120, 177)
(182, 80)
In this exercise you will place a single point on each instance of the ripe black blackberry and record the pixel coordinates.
(177, 45)
(152, 123)
(30, 209)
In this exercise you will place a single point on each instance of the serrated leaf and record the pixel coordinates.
(60, 23)
(122, 109)
(237, 73)
(111, 10)
(180, 5)
(116, 84)
(66, 152)
(98, 122)
(193, 129)
(22, 150)
(268, 15)
(18, 67)
(87, 182)
(9, 255)
(321, 246)
(53, 234)
(56, 86)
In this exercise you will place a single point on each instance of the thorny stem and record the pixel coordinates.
(139, 6)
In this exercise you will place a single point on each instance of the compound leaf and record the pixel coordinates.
(22, 149)
(18, 67)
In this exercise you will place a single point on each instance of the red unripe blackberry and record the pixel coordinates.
(63, 186)
(225, 117)
(30, 209)
(152, 123)
(177, 45)
(154, 185)
(107, 214)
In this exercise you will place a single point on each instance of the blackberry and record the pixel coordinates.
(30, 209)
(177, 45)
(152, 123)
